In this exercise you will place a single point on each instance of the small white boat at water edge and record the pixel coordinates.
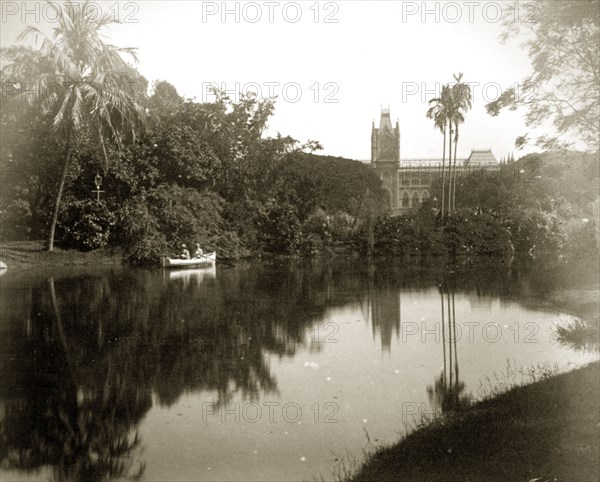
(208, 259)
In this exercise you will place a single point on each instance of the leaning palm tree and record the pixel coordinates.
(439, 113)
(84, 83)
(461, 97)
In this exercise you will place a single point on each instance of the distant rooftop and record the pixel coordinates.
(481, 156)
(478, 157)
(428, 161)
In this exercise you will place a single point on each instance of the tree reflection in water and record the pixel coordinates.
(83, 357)
(55, 418)
(446, 393)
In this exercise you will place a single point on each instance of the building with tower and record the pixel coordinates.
(385, 154)
(407, 182)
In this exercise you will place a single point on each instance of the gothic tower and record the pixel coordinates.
(385, 155)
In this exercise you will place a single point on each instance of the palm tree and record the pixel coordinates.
(450, 114)
(461, 100)
(439, 113)
(456, 118)
(85, 84)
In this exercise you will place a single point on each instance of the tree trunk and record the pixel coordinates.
(450, 341)
(443, 169)
(454, 183)
(61, 185)
(455, 340)
(454, 170)
(101, 138)
(445, 372)
(449, 165)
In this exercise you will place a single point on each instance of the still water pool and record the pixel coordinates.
(265, 371)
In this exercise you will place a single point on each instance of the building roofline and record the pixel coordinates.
(430, 159)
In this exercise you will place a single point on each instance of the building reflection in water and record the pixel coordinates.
(385, 316)
(447, 392)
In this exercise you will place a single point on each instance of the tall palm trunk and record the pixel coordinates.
(454, 177)
(455, 340)
(443, 169)
(449, 165)
(61, 186)
(450, 366)
(445, 372)
(101, 139)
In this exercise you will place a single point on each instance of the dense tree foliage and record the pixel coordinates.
(175, 171)
(189, 172)
(81, 82)
(563, 42)
(195, 173)
(542, 200)
(334, 183)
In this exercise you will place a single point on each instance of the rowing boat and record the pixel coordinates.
(207, 259)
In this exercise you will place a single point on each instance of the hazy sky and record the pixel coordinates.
(331, 64)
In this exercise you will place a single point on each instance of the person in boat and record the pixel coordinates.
(185, 254)
(198, 253)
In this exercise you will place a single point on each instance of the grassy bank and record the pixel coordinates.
(24, 254)
(549, 429)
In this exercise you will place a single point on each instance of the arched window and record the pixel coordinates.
(425, 195)
(416, 200)
(405, 200)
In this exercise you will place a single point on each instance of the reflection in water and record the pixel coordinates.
(385, 315)
(82, 356)
(54, 417)
(196, 275)
(447, 390)
(85, 356)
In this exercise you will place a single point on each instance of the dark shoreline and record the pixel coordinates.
(31, 254)
(547, 430)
